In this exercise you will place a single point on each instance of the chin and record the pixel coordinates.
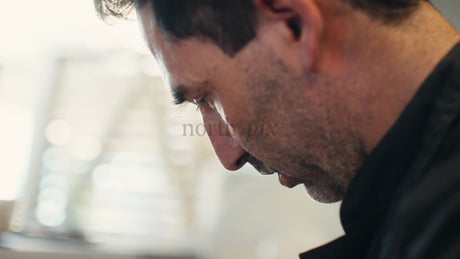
(325, 195)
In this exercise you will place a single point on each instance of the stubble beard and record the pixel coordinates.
(306, 145)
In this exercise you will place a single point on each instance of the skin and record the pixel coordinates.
(308, 106)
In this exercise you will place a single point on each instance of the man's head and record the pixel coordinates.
(279, 74)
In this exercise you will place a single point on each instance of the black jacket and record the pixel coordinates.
(405, 200)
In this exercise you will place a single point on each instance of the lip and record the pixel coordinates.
(266, 171)
(287, 181)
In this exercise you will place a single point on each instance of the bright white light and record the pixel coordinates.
(56, 159)
(50, 213)
(53, 194)
(86, 148)
(53, 180)
(58, 132)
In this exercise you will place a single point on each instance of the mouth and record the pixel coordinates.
(260, 166)
(264, 169)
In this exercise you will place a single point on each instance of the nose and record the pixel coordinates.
(227, 149)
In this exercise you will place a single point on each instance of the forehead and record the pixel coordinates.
(165, 51)
(148, 25)
(189, 61)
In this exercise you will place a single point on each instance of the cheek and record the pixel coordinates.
(232, 98)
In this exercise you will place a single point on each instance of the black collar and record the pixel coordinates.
(398, 160)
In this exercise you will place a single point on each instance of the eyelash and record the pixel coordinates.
(200, 102)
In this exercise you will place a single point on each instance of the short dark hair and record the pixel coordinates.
(230, 24)
(227, 23)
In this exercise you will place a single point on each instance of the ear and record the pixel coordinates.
(298, 23)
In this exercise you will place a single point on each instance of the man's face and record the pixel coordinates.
(259, 107)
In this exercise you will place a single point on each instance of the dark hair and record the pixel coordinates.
(227, 23)
(230, 23)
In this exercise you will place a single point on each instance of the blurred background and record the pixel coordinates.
(95, 162)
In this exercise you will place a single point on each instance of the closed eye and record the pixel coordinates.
(182, 95)
(200, 102)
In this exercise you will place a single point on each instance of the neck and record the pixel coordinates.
(394, 61)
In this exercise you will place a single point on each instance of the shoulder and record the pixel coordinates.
(426, 221)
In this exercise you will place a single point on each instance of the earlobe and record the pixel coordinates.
(302, 18)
